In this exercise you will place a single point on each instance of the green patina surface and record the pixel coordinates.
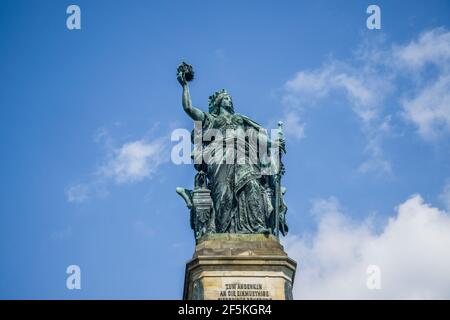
(231, 197)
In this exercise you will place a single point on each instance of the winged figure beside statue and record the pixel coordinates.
(237, 187)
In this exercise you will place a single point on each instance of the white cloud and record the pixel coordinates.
(134, 161)
(375, 164)
(376, 161)
(364, 91)
(365, 99)
(361, 86)
(411, 252)
(417, 72)
(430, 108)
(445, 195)
(431, 47)
(78, 193)
(315, 83)
(293, 125)
(131, 162)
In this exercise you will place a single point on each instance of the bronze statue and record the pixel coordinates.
(230, 195)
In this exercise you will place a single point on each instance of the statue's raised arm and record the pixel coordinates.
(185, 74)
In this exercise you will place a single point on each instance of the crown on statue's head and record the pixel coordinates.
(216, 97)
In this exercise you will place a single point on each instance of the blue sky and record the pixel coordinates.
(87, 116)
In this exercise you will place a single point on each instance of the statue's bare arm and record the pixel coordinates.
(193, 112)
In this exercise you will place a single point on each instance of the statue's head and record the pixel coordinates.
(220, 100)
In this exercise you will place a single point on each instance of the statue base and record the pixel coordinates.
(239, 267)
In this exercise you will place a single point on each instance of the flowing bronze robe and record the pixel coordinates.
(241, 203)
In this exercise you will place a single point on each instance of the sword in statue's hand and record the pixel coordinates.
(280, 172)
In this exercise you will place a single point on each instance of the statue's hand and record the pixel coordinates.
(181, 78)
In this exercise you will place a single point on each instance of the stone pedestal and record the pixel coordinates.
(239, 267)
